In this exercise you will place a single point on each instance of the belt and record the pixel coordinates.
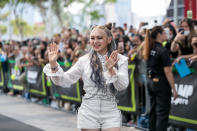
(155, 78)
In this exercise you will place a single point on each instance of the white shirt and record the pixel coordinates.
(82, 69)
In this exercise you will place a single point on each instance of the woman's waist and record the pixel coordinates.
(99, 96)
(99, 103)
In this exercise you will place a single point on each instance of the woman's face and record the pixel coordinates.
(164, 36)
(185, 26)
(99, 40)
(136, 40)
(42, 46)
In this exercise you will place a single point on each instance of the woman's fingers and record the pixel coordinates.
(114, 55)
(48, 49)
(112, 60)
(50, 46)
(116, 61)
(106, 58)
(53, 47)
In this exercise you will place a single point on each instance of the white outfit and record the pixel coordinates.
(98, 108)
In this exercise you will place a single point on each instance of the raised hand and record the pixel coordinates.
(111, 61)
(52, 50)
(179, 36)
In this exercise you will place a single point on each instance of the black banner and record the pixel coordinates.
(72, 93)
(128, 99)
(14, 75)
(183, 109)
(1, 76)
(36, 80)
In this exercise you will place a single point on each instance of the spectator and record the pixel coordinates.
(183, 39)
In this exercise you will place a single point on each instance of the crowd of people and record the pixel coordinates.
(181, 42)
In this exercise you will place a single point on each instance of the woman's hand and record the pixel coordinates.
(166, 21)
(111, 62)
(175, 94)
(193, 58)
(177, 60)
(194, 41)
(52, 54)
(179, 36)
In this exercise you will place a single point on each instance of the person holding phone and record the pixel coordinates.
(103, 71)
(183, 38)
(191, 57)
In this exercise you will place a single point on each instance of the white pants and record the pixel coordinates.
(98, 114)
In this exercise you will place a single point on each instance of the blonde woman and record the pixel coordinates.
(104, 72)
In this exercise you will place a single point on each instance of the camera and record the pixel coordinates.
(145, 23)
(155, 21)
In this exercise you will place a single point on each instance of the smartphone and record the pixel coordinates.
(181, 30)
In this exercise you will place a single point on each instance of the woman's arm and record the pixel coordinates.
(122, 81)
(175, 46)
(169, 76)
(65, 79)
(182, 57)
(120, 76)
(56, 73)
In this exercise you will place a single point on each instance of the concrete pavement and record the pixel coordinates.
(42, 117)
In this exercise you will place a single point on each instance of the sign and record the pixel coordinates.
(72, 93)
(36, 80)
(128, 99)
(183, 109)
(190, 9)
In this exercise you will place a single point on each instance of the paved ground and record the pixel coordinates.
(42, 117)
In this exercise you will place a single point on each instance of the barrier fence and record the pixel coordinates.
(183, 109)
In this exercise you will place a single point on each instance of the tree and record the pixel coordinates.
(18, 12)
(3, 3)
(94, 13)
(42, 8)
(57, 9)
(28, 29)
(3, 29)
(4, 16)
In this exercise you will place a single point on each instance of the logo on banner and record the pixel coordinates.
(15, 74)
(184, 92)
(32, 77)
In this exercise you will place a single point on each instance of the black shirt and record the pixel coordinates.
(186, 50)
(173, 54)
(158, 59)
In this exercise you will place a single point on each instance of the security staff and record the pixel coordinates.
(160, 78)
